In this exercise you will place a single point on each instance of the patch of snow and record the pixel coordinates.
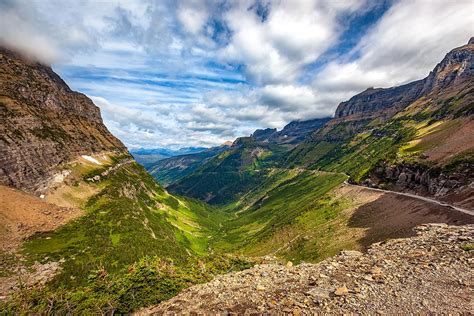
(59, 177)
(91, 159)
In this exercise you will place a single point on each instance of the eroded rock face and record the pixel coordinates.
(44, 123)
(456, 67)
(373, 100)
(422, 179)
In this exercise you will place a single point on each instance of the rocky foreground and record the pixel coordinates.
(429, 273)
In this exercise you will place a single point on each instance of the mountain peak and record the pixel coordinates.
(48, 124)
(456, 68)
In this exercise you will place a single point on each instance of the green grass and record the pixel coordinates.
(146, 282)
(228, 176)
(131, 209)
(273, 209)
(131, 220)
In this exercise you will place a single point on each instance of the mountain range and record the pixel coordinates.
(86, 229)
(415, 137)
(149, 156)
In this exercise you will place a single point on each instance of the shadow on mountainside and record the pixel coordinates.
(393, 216)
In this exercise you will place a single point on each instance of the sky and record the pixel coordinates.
(198, 73)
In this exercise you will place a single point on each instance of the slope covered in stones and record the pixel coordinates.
(429, 273)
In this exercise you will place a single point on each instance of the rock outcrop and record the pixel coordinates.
(292, 134)
(429, 273)
(456, 68)
(437, 182)
(44, 124)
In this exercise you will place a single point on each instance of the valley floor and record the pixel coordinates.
(429, 273)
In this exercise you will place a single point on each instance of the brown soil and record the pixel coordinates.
(463, 198)
(386, 215)
(451, 141)
(22, 215)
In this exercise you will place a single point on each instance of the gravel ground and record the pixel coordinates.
(429, 273)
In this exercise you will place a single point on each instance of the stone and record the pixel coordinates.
(319, 293)
(376, 271)
(341, 291)
(65, 114)
(351, 253)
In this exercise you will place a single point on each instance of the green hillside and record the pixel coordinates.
(405, 138)
(227, 176)
(132, 223)
(268, 218)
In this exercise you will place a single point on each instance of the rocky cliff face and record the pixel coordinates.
(44, 124)
(456, 67)
(371, 101)
(433, 181)
(293, 133)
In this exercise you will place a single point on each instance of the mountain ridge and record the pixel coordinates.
(374, 100)
(45, 125)
(353, 142)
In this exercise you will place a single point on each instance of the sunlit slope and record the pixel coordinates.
(433, 131)
(266, 219)
(130, 217)
(135, 244)
(308, 215)
(230, 174)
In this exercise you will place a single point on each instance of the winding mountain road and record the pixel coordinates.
(423, 198)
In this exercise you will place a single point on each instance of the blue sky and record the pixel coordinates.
(197, 73)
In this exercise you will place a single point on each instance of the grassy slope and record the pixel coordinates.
(131, 209)
(404, 138)
(227, 176)
(296, 216)
(270, 217)
(135, 246)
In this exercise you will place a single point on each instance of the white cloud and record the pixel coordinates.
(403, 46)
(22, 34)
(294, 34)
(192, 73)
(193, 15)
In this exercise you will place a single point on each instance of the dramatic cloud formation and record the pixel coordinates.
(199, 72)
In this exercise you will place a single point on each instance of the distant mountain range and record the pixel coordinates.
(396, 136)
(148, 156)
(169, 170)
